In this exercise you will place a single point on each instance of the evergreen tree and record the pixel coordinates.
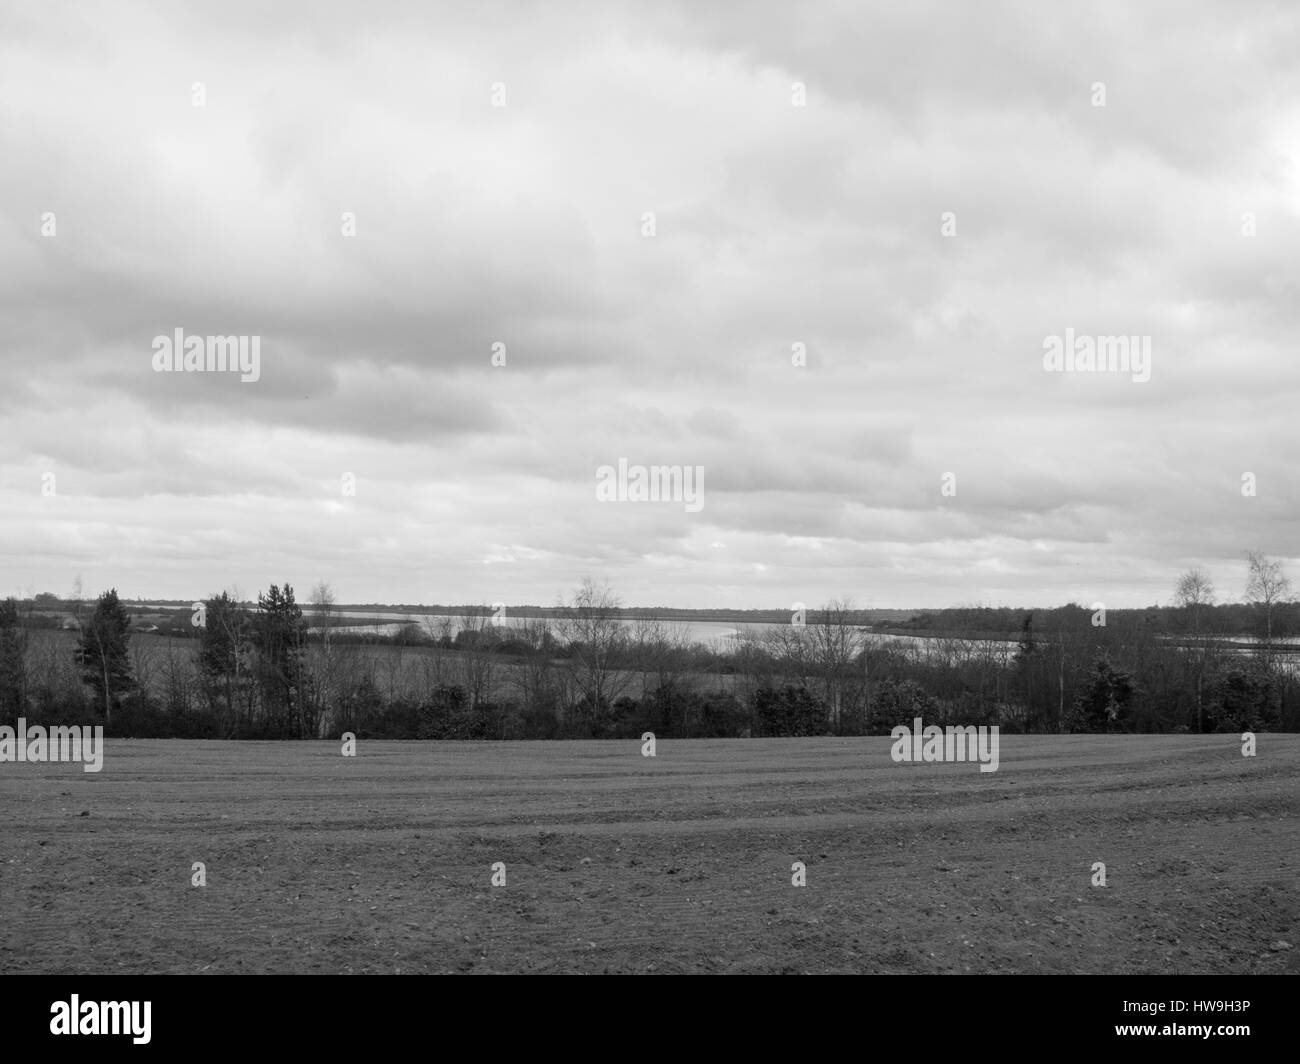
(223, 650)
(102, 653)
(280, 636)
(1102, 705)
(1026, 658)
(13, 666)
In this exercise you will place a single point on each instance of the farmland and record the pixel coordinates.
(397, 670)
(616, 862)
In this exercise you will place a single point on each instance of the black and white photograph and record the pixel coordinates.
(650, 488)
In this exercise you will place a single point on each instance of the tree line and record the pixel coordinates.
(269, 671)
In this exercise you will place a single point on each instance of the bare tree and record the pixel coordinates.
(476, 662)
(322, 602)
(1266, 586)
(835, 642)
(661, 653)
(392, 657)
(790, 648)
(321, 658)
(144, 663)
(541, 686)
(181, 678)
(1194, 592)
(756, 666)
(592, 625)
(435, 664)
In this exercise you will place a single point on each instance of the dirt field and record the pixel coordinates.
(680, 863)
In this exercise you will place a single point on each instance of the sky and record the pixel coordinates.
(814, 254)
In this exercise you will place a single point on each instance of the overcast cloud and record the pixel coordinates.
(775, 225)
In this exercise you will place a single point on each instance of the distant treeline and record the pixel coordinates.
(1223, 620)
(179, 607)
(584, 671)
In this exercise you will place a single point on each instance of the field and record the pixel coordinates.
(678, 863)
(398, 671)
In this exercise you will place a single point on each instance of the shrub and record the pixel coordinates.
(791, 711)
(722, 715)
(1103, 704)
(1242, 700)
(897, 702)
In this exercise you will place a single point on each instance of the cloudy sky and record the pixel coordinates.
(650, 206)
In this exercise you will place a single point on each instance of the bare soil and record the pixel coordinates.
(616, 862)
